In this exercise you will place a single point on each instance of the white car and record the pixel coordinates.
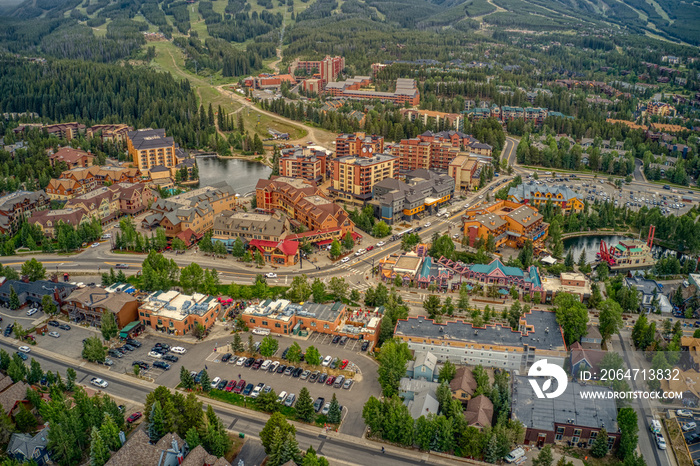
(360, 252)
(344, 259)
(684, 413)
(660, 442)
(178, 350)
(98, 382)
(326, 408)
(282, 396)
(327, 361)
(271, 275)
(455, 236)
(380, 244)
(31, 312)
(241, 361)
(688, 426)
(24, 349)
(155, 354)
(256, 392)
(54, 334)
(94, 245)
(427, 225)
(215, 382)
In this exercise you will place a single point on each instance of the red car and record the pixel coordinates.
(134, 417)
(344, 364)
(230, 386)
(369, 248)
(329, 380)
(239, 387)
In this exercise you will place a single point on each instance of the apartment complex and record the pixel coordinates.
(304, 204)
(65, 131)
(506, 113)
(466, 171)
(538, 336)
(92, 303)
(406, 90)
(194, 210)
(229, 225)
(535, 194)
(77, 181)
(268, 81)
(112, 133)
(354, 177)
(440, 119)
(654, 108)
(424, 191)
(329, 68)
(19, 206)
(303, 162)
(359, 144)
(508, 222)
(71, 157)
(436, 151)
(176, 313)
(150, 148)
(49, 219)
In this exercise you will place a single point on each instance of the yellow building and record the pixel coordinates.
(353, 177)
(535, 194)
(150, 148)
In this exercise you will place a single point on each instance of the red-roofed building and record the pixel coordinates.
(283, 252)
(74, 158)
(187, 236)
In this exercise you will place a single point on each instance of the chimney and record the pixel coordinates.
(25, 278)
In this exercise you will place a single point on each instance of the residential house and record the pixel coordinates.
(463, 385)
(592, 339)
(423, 366)
(26, 448)
(91, 303)
(11, 395)
(479, 412)
(652, 297)
(420, 396)
(584, 359)
(34, 292)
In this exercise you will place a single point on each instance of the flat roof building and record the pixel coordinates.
(149, 148)
(177, 313)
(354, 177)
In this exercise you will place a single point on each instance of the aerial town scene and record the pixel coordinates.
(349, 232)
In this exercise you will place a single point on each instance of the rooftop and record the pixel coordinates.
(95, 297)
(176, 305)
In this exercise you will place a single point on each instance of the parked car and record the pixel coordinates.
(33, 311)
(64, 327)
(281, 369)
(230, 386)
(134, 417)
(226, 357)
(265, 365)
(289, 370)
(684, 413)
(282, 396)
(273, 367)
(318, 404)
(314, 376)
(291, 398)
(339, 381)
(344, 259)
(107, 362)
(688, 426)
(380, 244)
(178, 350)
(297, 372)
(54, 323)
(347, 384)
(162, 365)
(239, 387)
(171, 358)
(54, 334)
(365, 345)
(257, 364)
(164, 346)
(249, 362)
(241, 361)
(322, 378)
(326, 408)
(284, 353)
(344, 364)
(145, 366)
(330, 380)
(155, 354)
(305, 374)
(222, 385)
(115, 353)
(334, 363)
(24, 349)
(248, 388)
(21, 355)
(343, 340)
(198, 377)
(326, 361)
(336, 339)
(257, 390)
(134, 343)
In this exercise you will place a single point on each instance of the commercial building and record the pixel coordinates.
(573, 283)
(284, 252)
(535, 194)
(538, 337)
(194, 210)
(109, 202)
(112, 133)
(437, 151)
(354, 177)
(149, 148)
(508, 222)
(268, 81)
(466, 171)
(229, 225)
(73, 158)
(406, 90)
(423, 191)
(303, 162)
(176, 313)
(304, 205)
(359, 144)
(77, 181)
(328, 69)
(19, 206)
(569, 419)
(91, 303)
(34, 292)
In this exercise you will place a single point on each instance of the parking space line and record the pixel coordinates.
(212, 357)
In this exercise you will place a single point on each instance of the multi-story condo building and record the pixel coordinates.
(73, 158)
(358, 144)
(423, 191)
(113, 133)
(353, 177)
(79, 181)
(436, 151)
(306, 205)
(19, 206)
(229, 225)
(506, 113)
(406, 90)
(536, 194)
(466, 170)
(538, 336)
(451, 120)
(194, 211)
(149, 148)
(507, 222)
(329, 68)
(109, 202)
(65, 131)
(303, 162)
(48, 220)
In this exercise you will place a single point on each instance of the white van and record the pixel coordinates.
(261, 331)
(266, 365)
(515, 455)
(655, 426)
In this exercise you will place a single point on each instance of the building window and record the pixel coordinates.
(252, 321)
(560, 433)
(277, 325)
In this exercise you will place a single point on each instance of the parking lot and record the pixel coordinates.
(693, 443)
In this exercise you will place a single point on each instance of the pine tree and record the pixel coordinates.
(99, 453)
(544, 458)
(600, 446)
(110, 433)
(334, 411)
(156, 426)
(205, 382)
(491, 454)
(305, 406)
(14, 299)
(192, 438)
(237, 343)
(109, 326)
(582, 258)
(284, 448)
